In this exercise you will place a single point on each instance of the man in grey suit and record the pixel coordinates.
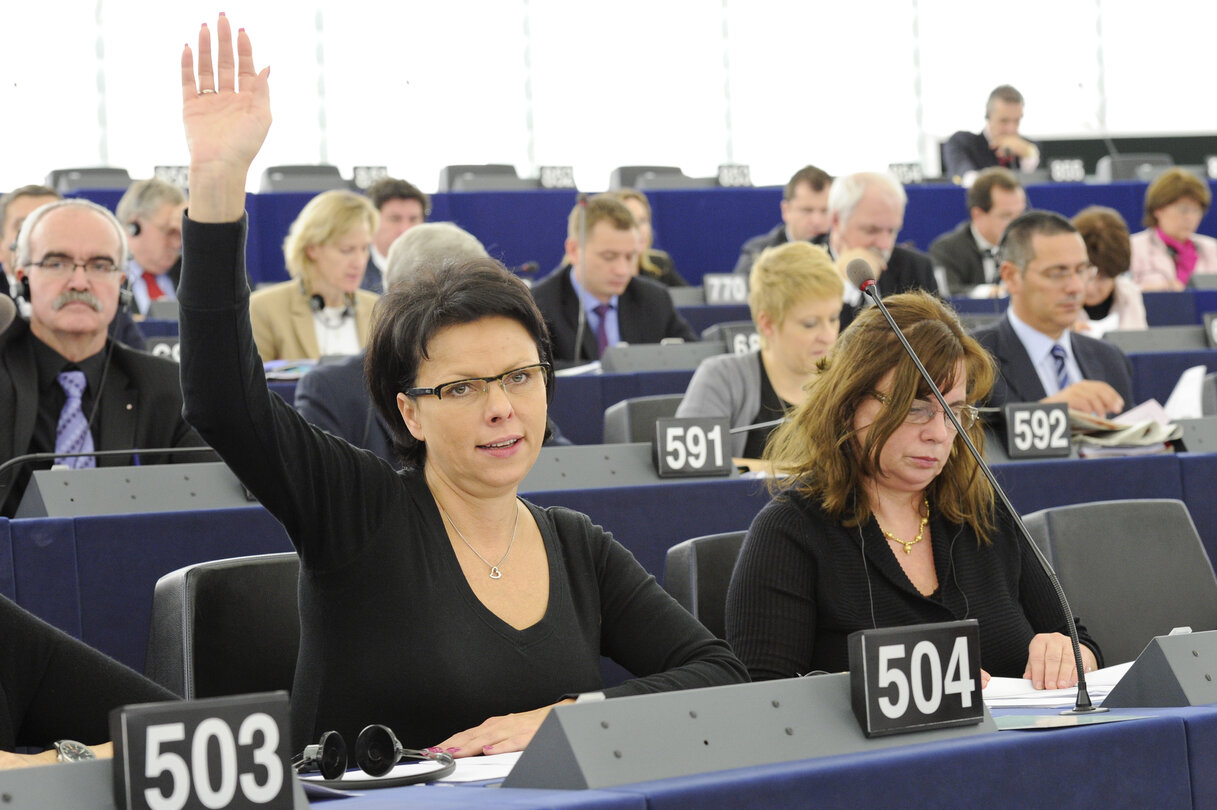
(967, 256)
(1045, 267)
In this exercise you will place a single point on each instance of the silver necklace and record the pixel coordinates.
(495, 573)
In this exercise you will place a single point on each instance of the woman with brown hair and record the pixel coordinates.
(1169, 251)
(884, 520)
(1112, 299)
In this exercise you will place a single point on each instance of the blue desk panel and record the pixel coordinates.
(1154, 374)
(702, 228)
(94, 576)
(579, 402)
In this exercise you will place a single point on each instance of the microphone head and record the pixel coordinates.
(860, 274)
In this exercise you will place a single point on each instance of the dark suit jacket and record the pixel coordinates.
(335, 398)
(372, 281)
(907, 269)
(142, 407)
(957, 253)
(645, 314)
(1017, 380)
(754, 246)
(969, 152)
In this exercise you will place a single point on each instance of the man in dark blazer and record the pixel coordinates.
(401, 205)
(804, 216)
(998, 144)
(967, 256)
(1046, 268)
(72, 253)
(598, 300)
(867, 212)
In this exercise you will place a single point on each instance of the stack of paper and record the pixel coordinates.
(1017, 693)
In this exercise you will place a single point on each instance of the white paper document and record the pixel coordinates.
(1017, 693)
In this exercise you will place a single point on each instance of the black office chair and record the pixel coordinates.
(697, 573)
(226, 627)
(1144, 167)
(739, 337)
(1132, 570)
(633, 420)
(483, 177)
(319, 177)
(66, 181)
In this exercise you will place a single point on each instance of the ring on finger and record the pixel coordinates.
(205, 92)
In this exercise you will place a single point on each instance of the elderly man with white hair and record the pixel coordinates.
(866, 211)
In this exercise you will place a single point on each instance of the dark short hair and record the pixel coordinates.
(1106, 236)
(390, 188)
(415, 309)
(1170, 186)
(815, 177)
(980, 195)
(1015, 246)
(1003, 92)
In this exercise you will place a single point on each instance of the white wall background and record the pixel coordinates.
(775, 84)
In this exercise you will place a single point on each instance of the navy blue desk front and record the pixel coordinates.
(702, 228)
(93, 576)
(1163, 760)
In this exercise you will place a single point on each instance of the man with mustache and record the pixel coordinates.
(866, 213)
(63, 385)
(1045, 267)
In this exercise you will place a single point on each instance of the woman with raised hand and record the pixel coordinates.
(433, 600)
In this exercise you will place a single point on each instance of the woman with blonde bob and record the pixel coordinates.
(321, 311)
(885, 520)
(654, 264)
(795, 297)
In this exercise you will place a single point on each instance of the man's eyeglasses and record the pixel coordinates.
(62, 266)
(921, 412)
(1060, 274)
(517, 382)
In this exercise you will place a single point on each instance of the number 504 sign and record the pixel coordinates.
(916, 677)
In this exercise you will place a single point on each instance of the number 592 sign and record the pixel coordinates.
(229, 752)
(916, 677)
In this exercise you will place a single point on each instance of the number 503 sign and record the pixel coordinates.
(229, 752)
(916, 677)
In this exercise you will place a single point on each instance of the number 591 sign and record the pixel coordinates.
(916, 677)
(692, 447)
(229, 752)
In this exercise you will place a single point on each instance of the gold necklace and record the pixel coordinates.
(908, 546)
(495, 573)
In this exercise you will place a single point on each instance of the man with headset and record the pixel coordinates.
(152, 212)
(64, 385)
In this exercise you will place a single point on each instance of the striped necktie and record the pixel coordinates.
(1062, 371)
(72, 433)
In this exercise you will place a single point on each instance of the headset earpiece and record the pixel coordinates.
(133, 228)
(377, 750)
(329, 756)
(23, 288)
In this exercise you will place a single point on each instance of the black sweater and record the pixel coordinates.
(391, 632)
(54, 687)
(801, 587)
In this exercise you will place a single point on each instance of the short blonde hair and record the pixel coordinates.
(1170, 186)
(789, 274)
(606, 207)
(327, 217)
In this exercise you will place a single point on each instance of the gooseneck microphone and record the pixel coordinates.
(581, 201)
(861, 275)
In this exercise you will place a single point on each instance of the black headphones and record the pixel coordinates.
(377, 750)
(125, 296)
(316, 303)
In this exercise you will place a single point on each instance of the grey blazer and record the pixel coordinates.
(726, 385)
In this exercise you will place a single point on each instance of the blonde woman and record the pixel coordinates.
(653, 264)
(321, 310)
(795, 297)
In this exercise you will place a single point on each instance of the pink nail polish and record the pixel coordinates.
(435, 750)
(487, 748)
(451, 750)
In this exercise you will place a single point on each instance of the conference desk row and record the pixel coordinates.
(94, 576)
(701, 228)
(579, 402)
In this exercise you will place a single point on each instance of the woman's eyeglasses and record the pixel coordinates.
(517, 382)
(921, 412)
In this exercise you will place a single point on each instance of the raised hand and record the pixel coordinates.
(226, 112)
